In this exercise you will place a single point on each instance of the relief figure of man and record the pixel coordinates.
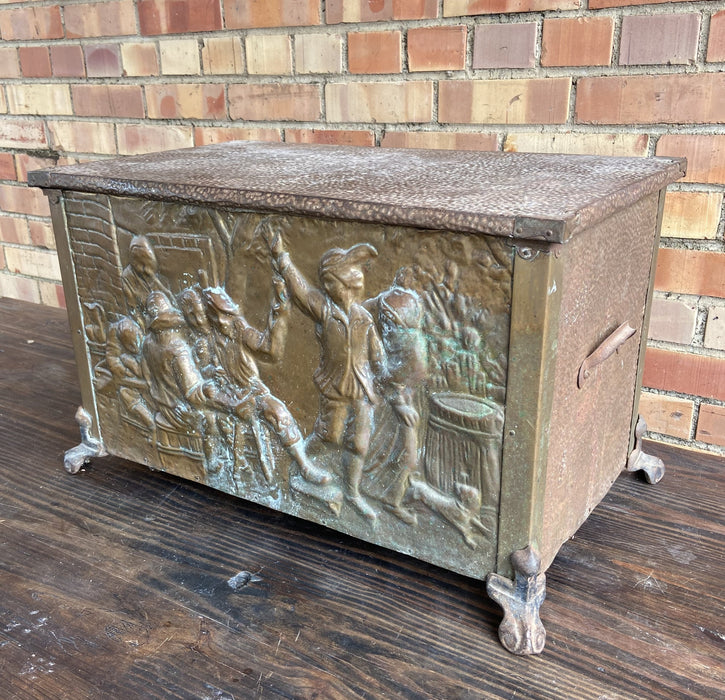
(399, 315)
(235, 342)
(182, 395)
(141, 277)
(123, 359)
(352, 357)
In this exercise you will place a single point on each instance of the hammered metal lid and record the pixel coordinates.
(519, 195)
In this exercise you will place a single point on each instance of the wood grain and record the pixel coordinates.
(115, 582)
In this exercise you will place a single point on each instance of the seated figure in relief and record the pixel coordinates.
(234, 342)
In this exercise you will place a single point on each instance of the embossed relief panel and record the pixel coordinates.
(352, 374)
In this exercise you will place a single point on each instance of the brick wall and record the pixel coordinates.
(87, 79)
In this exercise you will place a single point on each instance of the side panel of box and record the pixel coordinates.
(605, 284)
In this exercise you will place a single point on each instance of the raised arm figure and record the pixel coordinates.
(352, 358)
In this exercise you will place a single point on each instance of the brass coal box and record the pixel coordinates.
(438, 352)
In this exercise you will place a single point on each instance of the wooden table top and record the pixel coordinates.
(120, 582)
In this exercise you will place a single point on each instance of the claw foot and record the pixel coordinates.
(521, 631)
(653, 467)
(89, 447)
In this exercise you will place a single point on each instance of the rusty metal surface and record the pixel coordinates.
(547, 197)
(602, 286)
(350, 374)
(604, 351)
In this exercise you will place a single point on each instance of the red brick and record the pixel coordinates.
(601, 144)
(51, 294)
(653, 39)
(103, 60)
(691, 214)
(9, 63)
(318, 53)
(269, 54)
(139, 59)
(715, 328)
(180, 56)
(24, 163)
(83, 136)
(415, 9)
(33, 262)
(22, 133)
(34, 61)
(243, 14)
(440, 140)
(525, 101)
(337, 11)
(667, 415)
(390, 102)
(652, 99)
(222, 56)
(16, 287)
(31, 23)
(705, 155)
(134, 139)
(711, 424)
(437, 48)
(186, 101)
(33, 97)
(598, 4)
(673, 321)
(205, 135)
(577, 41)
(7, 167)
(374, 52)
(716, 40)
(23, 200)
(275, 101)
(330, 136)
(504, 45)
(456, 8)
(100, 19)
(67, 61)
(41, 234)
(108, 100)
(179, 16)
(691, 272)
(685, 373)
(14, 229)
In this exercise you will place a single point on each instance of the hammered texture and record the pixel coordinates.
(604, 283)
(520, 195)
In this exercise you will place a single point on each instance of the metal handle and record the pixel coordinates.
(606, 349)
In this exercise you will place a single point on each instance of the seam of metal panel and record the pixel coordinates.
(75, 311)
(535, 305)
(645, 321)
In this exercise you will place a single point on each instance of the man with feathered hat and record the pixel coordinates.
(352, 360)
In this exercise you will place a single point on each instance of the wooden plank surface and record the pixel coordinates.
(116, 582)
